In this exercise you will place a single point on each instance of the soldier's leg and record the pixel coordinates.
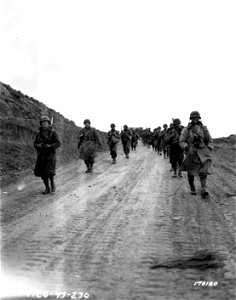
(53, 187)
(174, 160)
(111, 150)
(114, 153)
(191, 184)
(91, 162)
(87, 165)
(174, 167)
(124, 147)
(203, 179)
(180, 160)
(46, 182)
(127, 149)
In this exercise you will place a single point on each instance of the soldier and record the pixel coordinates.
(163, 143)
(46, 142)
(126, 138)
(197, 142)
(88, 140)
(157, 140)
(134, 140)
(113, 137)
(149, 137)
(159, 146)
(176, 152)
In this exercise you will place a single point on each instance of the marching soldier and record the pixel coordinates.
(163, 143)
(176, 152)
(46, 142)
(126, 138)
(134, 140)
(197, 142)
(88, 140)
(113, 137)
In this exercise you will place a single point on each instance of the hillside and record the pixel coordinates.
(19, 122)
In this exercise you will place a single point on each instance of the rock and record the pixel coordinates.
(19, 122)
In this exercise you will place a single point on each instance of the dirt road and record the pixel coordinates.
(101, 233)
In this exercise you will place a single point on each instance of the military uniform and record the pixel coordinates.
(88, 141)
(113, 137)
(176, 152)
(46, 142)
(197, 142)
(164, 146)
(134, 140)
(126, 139)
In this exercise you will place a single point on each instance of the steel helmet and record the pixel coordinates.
(87, 121)
(44, 118)
(113, 125)
(176, 122)
(194, 114)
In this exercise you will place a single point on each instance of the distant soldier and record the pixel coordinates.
(157, 139)
(197, 142)
(46, 142)
(126, 139)
(88, 141)
(163, 143)
(176, 152)
(168, 144)
(113, 137)
(149, 136)
(134, 140)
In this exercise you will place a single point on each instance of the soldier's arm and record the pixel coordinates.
(37, 144)
(97, 137)
(183, 138)
(117, 135)
(208, 139)
(56, 140)
(81, 137)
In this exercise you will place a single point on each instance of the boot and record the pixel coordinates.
(91, 167)
(204, 192)
(47, 188)
(180, 174)
(191, 184)
(87, 165)
(53, 187)
(175, 173)
(127, 155)
(114, 160)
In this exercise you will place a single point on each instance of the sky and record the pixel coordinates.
(139, 63)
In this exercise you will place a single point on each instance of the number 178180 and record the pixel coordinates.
(205, 283)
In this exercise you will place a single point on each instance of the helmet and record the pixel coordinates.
(194, 114)
(87, 121)
(176, 122)
(44, 118)
(113, 125)
(165, 125)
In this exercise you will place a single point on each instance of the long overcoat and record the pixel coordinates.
(113, 138)
(46, 158)
(198, 158)
(88, 141)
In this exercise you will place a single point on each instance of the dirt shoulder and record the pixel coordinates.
(101, 233)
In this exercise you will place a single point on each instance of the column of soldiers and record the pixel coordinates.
(188, 148)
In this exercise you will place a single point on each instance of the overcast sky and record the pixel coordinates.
(139, 63)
